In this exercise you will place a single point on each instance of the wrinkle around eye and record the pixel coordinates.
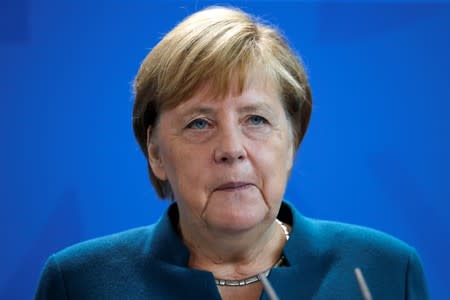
(256, 120)
(261, 130)
(199, 124)
(257, 123)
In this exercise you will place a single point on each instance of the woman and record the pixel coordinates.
(221, 107)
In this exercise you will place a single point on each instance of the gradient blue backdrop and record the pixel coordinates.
(376, 153)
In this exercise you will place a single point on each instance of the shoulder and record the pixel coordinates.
(110, 255)
(342, 239)
(350, 238)
(346, 246)
(332, 250)
(92, 268)
(118, 246)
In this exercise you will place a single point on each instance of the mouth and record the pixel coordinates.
(234, 186)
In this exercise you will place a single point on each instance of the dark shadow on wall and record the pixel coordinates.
(14, 21)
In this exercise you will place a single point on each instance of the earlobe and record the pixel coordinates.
(154, 157)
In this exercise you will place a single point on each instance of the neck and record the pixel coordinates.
(237, 255)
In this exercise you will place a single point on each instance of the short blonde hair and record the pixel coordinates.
(220, 47)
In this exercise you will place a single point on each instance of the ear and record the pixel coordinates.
(291, 149)
(291, 157)
(154, 156)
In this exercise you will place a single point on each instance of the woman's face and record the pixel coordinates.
(227, 160)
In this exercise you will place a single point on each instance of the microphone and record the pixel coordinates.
(362, 284)
(272, 295)
(268, 287)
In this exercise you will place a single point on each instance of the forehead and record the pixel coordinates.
(253, 96)
(254, 86)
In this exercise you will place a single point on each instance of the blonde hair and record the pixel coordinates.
(220, 47)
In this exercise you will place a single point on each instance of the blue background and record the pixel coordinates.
(376, 153)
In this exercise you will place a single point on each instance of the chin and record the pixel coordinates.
(237, 222)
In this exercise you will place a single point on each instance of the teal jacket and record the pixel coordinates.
(151, 263)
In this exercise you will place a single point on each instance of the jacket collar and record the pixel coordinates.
(303, 247)
(306, 253)
(166, 243)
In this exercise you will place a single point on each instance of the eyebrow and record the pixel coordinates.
(200, 110)
(206, 110)
(256, 107)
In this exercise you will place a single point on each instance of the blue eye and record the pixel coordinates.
(198, 124)
(257, 120)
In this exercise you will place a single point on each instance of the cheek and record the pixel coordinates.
(274, 162)
(279, 150)
(185, 167)
(273, 173)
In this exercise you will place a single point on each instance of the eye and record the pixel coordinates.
(198, 124)
(257, 120)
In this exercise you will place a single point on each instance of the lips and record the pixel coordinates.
(233, 186)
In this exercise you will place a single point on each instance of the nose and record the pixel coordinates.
(230, 146)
